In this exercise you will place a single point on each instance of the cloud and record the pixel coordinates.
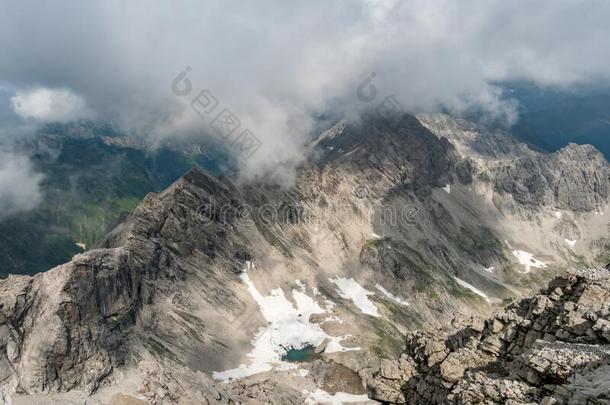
(278, 65)
(19, 184)
(48, 105)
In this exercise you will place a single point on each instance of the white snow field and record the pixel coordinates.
(471, 288)
(288, 327)
(391, 296)
(320, 396)
(348, 288)
(528, 260)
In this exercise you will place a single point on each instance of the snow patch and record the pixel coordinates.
(528, 260)
(557, 214)
(490, 269)
(447, 188)
(81, 245)
(390, 295)
(288, 327)
(334, 345)
(349, 153)
(471, 288)
(571, 242)
(302, 372)
(320, 396)
(350, 289)
(337, 129)
(376, 236)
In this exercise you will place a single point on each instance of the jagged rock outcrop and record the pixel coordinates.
(575, 177)
(557, 180)
(553, 348)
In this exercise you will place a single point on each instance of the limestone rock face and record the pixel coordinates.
(552, 348)
(560, 181)
(67, 328)
(576, 177)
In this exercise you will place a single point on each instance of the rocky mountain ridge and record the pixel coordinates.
(532, 178)
(388, 229)
(553, 348)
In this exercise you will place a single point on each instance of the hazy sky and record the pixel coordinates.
(276, 64)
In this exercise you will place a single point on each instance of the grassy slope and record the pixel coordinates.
(88, 186)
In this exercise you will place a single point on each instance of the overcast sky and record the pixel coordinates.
(276, 64)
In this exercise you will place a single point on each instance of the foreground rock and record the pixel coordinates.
(553, 348)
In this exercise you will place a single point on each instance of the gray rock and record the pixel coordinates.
(533, 370)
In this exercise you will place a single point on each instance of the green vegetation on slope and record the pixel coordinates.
(88, 186)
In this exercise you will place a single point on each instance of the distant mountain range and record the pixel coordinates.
(93, 176)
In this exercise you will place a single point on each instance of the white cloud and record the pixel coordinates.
(19, 184)
(43, 104)
(277, 65)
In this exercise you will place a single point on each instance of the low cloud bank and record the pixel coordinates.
(274, 67)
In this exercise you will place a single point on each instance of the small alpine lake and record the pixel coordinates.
(301, 355)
